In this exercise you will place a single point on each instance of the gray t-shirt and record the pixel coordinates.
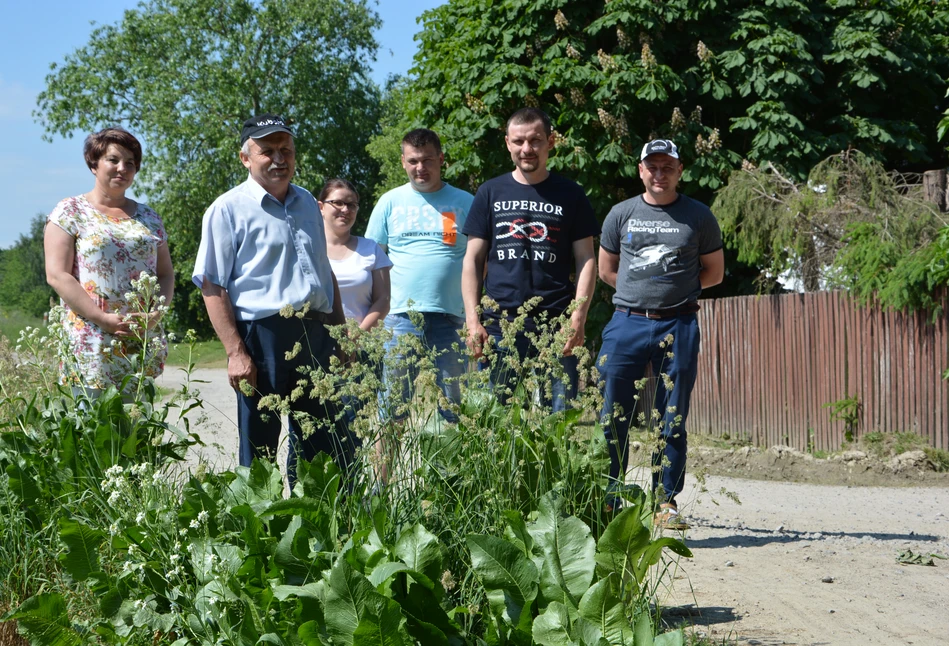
(659, 249)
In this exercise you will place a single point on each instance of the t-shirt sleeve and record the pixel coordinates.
(158, 225)
(610, 240)
(380, 259)
(585, 224)
(710, 237)
(479, 216)
(61, 218)
(216, 253)
(378, 227)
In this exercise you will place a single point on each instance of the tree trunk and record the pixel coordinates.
(936, 189)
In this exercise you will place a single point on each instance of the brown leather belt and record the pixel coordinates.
(662, 313)
(321, 317)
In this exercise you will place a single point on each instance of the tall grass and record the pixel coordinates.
(90, 486)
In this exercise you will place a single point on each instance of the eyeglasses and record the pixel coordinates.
(339, 204)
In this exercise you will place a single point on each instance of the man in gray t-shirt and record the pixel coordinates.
(659, 250)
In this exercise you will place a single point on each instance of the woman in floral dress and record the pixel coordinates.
(96, 244)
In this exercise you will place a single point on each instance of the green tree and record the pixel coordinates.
(782, 81)
(851, 225)
(185, 74)
(23, 273)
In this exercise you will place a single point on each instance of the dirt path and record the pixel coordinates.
(759, 568)
(814, 564)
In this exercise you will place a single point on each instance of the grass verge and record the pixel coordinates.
(12, 323)
(204, 354)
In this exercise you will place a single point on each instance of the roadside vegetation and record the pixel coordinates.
(492, 530)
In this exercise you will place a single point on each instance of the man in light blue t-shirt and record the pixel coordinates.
(419, 225)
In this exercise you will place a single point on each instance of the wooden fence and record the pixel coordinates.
(769, 365)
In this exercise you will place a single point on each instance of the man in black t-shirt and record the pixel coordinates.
(659, 250)
(531, 228)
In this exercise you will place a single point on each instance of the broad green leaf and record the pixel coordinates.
(382, 625)
(310, 632)
(24, 486)
(605, 611)
(653, 552)
(288, 555)
(644, 631)
(587, 633)
(426, 621)
(552, 627)
(308, 590)
(258, 486)
(82, 543)
(385, 571)
(516, 532)
(318, 479)
(157, 622)
(509, 578)
(619, 547)
(671, 638)
(44, 619)
(345, 601)
(419, 549)
(568, 553)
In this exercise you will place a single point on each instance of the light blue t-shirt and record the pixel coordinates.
(264, 253)
(422, 232)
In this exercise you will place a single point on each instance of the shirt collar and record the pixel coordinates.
(259, 193)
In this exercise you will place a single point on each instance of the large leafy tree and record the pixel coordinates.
(185, 74)
(23, 273)
(782, 81)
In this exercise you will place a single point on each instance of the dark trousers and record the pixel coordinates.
(563, 388)
(267, 341)
(630, 343)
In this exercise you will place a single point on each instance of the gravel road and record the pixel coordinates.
(792, 564)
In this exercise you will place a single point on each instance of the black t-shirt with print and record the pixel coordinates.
(531, 229)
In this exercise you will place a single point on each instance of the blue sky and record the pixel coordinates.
(34, 174)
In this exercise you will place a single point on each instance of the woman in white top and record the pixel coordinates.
(362, 272)
(360, 265)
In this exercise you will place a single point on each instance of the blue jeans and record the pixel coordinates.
(562, 390)
(267, 341)
(630, 343)
(439, 333)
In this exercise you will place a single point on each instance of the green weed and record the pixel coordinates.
(150, 550)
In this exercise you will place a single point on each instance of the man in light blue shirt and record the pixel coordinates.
(419, 224)
(263, 248)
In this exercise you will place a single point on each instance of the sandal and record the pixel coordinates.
(668, 518)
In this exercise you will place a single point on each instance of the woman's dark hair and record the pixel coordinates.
(335, 183)
(98, 142)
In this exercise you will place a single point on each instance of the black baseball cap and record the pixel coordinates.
(660, 146)
(263, 125)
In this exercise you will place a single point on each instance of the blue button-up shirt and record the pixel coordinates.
(264, 253)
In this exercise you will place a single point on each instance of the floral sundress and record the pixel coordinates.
(110, 254)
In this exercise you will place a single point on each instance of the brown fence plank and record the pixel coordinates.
(769, 364)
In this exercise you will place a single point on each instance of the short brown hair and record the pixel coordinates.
(98, 142)
(335, 183)
(421, 137)
(530, 115)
